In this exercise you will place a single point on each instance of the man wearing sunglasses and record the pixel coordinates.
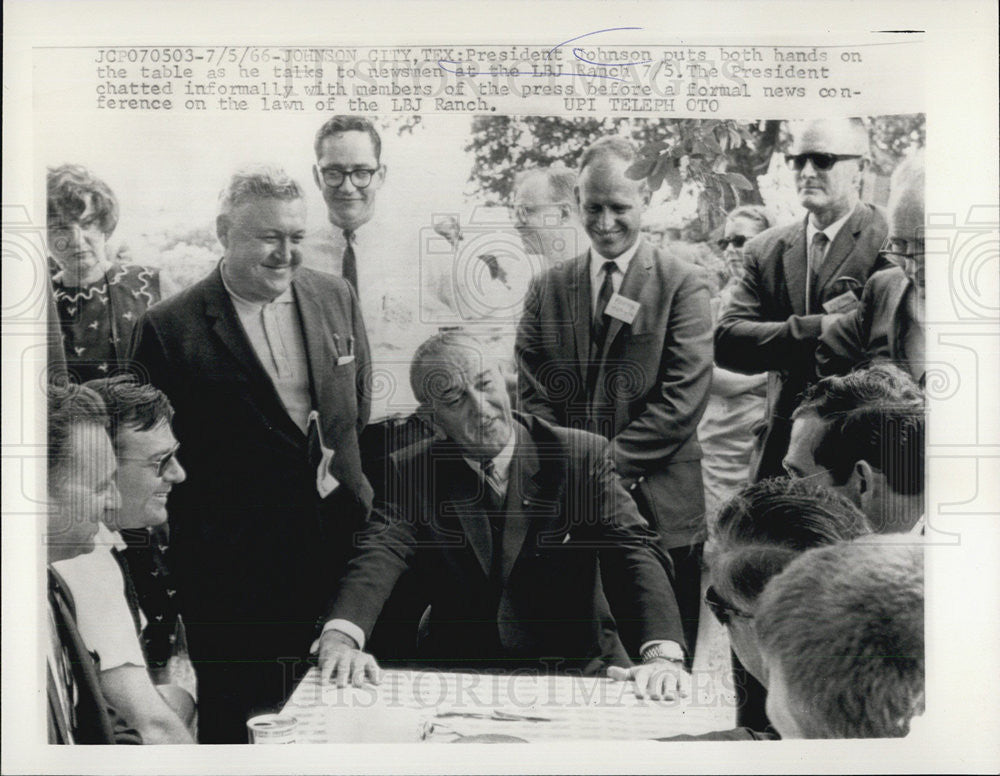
(757, 533)
(801, 276)
(117, 608)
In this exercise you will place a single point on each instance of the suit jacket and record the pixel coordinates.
(95, 721)
(253, 546)
(874, 331)
(565, 510)
(765, 327)
(651, 383)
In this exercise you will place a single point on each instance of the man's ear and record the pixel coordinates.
(565, 213)
(222, 230)
(576, 196)
(379, 176)
(317, 178)
(862, 483)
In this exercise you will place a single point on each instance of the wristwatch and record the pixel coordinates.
(663, 650)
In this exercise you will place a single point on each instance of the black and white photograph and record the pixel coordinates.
(622, 397)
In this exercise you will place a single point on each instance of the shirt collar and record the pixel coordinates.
(597, 261)
(107, 538)
(501, 461)
(246, 305)
(830, 231)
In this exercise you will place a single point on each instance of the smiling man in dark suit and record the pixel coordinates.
(801, 276)
(618, 342)
(264, 362)
(504, 519)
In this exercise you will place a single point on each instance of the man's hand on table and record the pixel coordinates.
(659, 679)
(342, 661)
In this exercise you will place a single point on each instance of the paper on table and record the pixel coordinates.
(532, 707)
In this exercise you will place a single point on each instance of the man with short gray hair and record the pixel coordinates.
(505, 518)
(799, 277)
(266, 364)
(545, 217)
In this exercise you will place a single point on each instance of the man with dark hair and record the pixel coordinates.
(863, 434)
(505, 518)
(81, 490)
(841, 634)
(108, 609)
(757, 533)
(800, 277)
(618, 342)
(266, 363)
(349, 173)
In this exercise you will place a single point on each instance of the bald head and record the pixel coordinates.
(831, 136)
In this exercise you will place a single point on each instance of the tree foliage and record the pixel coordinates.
(723, 156)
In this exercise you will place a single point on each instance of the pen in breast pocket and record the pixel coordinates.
(336, 345)
(350, 344)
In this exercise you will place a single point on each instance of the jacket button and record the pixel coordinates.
(633, 486)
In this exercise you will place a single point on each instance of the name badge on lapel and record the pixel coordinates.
(622, 308)
(842, 303)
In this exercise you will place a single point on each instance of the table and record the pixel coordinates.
(438, 706)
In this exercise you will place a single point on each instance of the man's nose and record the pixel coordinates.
(808, 168)
(606, 220)
(175, 473)
(286, 249)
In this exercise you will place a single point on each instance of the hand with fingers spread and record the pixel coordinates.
(341, 661)
(658, 679)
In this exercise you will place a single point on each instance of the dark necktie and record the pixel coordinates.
(600, 324)
(817, 249)
(349, 269)
(494, 505)
(131, 596)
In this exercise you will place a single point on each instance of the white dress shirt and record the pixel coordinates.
(597, 262)
(275, 335)
(103, 616)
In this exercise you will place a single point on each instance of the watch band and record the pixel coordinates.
(664, 650)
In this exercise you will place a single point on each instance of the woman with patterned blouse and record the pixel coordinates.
(98, 301)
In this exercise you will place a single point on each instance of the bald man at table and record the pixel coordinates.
(504, 518)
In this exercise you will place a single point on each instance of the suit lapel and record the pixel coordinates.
(319, 346)
(580, 307)
(522, 489)
(896, 317)
(632, 287)
(226, 325)
(794, 263)
(840, 249)
(464, 497)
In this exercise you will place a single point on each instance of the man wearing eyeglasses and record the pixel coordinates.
(545, 214)
(349, 173)
(104, 584)
(801, 276)
(889, 322)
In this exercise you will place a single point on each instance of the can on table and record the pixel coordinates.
(272, 729)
